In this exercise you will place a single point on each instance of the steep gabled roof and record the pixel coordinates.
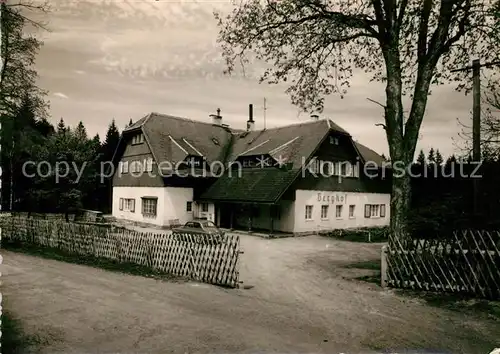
(174, 138)
(291, 142)
(369, 155)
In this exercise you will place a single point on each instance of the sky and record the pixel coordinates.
(122, 59)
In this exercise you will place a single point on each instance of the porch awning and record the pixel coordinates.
(251, 186)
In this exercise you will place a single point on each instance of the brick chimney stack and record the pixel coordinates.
(216, 118)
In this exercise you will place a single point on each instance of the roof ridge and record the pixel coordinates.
(163, 115)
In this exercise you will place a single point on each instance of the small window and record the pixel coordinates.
(351, 211)
(149, 206)
(309, 211)
(338, 211)
(149, 164)
(138, 139)
(129, 205)
(334, 141)
(204, 207)
(124, 166)
(121, 204)
(356, 170)
(374, 210)
(382, 210)
(324, 212)
(189, 206)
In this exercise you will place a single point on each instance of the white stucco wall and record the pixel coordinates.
(172, 203)
(307, 197)
(136, 193)
(176, 199)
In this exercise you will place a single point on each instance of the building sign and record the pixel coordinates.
(332, 198)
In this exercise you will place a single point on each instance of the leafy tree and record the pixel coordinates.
(315, 45)
(421, 158)
(431, 156)
(18, 76)
(439, 158)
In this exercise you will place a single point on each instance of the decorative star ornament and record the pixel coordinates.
(263, 161)
(280, 161)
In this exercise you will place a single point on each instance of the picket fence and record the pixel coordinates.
(206, 259)
(468, 263)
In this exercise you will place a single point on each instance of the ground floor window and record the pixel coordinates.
(309, 212)
(338, 211)
(351, 210)
(127, 204)
(374, 210)
(324, 212)
(204, 207)
(149, 206)
(189, 206)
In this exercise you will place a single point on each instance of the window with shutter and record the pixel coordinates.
(132, 205)
(382, 210)
(121, 204)
(367, 210)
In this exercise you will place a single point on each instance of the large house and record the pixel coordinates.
(298, 178)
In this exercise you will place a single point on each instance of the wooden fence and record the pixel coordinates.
(468, 263)
(210, 260)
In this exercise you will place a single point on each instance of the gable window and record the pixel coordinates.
(129, 205)
(204, 207)
(374, 210)
(334, 141)
(135, 166)
(351, 211)
(137, 139)
(149, 164)
(324, 212)
(149, 206)
(314, 166)
(189, 206)
(309, 212)
(124, 167)
(356, 171)
(338, 211)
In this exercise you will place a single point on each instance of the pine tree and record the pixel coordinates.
(61, 127)
(431, 157)
(80, 132)
(421, 158)
(439, 158)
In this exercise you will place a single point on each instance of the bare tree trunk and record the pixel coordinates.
(400, 208)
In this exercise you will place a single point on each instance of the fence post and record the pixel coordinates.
(383, 267)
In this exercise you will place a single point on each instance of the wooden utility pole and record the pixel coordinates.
(476, 116)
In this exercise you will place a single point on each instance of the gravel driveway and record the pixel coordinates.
(301, 299)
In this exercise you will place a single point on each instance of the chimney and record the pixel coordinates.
(250, 122)
(314, 117)
(216, 118)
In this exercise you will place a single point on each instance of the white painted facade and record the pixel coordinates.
(346, 200)
(172, 203)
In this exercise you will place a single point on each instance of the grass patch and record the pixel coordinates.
(373, 265)
(457, 302)
(13, 339)
(370, 265)
(95, 262)
(364, 234)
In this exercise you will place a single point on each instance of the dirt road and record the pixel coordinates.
(302, 300)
